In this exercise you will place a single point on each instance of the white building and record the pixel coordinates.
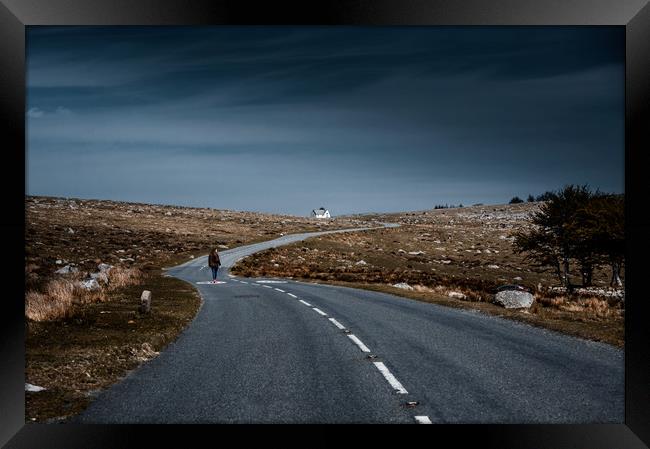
(320, 213)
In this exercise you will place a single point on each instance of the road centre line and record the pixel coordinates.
(292, 295)
(305, 303)
(359, 343)
(280, 290)
(320, 311)
(390, 378)
(267, 286)
(337, 324)
(422, 419)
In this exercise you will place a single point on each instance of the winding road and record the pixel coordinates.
(282, 351)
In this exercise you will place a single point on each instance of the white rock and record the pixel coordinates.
(35, 388)
(90, 284)
(223, 247)
(59, 262)
(517, 278)
(361, 262)
(101, 276)
(169, 214)
(416, 253)
(67, 270)
(494, 267)
(70, 231)
(104, 267)
(456, 295)
(513, 299)
(403, 285)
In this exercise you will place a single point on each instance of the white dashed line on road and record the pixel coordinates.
(292, 295)
(359, 343)
(390, 378)
(320, 311)
(305, 303)
(422, 419)
(337, 324)
(280, 290)
(267, 286)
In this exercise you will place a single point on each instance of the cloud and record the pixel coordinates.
(35, 113)
(60, 111)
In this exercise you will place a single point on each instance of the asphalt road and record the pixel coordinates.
(278, 351)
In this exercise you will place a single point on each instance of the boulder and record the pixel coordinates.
(514, 299)
(403, 285)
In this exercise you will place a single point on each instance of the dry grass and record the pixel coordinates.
(120, 277)
(60, 295)
(41, 307)
(593, 307)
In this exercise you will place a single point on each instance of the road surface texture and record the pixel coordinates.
(280, 351)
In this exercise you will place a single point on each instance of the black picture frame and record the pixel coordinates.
(634, 15)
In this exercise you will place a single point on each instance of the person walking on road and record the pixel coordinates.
(214, 262)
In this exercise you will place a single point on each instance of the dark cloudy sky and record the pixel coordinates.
(293, 118)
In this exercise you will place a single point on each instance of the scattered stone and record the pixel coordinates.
(33, 388)
(517, 278)
(361, 262)
(403, 285)
(223, 246)
(514, 299)
(169, 214)
(58, 262)
(70, 231)
(494, 267)
(416, 253)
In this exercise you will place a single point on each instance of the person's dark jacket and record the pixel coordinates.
(213, 259)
